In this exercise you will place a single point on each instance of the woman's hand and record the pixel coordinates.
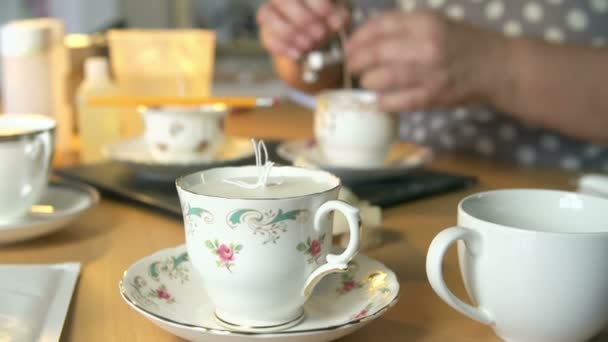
(423, 61)
(290, 28)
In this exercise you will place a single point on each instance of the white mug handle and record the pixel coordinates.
(434, 261)
(336, 263)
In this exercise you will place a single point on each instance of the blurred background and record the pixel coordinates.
(154, 47)
(233, 21)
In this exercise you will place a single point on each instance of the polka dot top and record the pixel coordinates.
(481, 131)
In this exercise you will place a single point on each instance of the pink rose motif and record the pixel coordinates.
(349, 286)
(315, 248)
(225, 253)
(312, 248)
(361, 314)
(163, 294)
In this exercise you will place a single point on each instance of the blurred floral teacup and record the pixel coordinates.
(184, 134)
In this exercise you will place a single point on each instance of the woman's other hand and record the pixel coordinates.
(423, 61)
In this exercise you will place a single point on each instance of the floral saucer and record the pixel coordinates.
(167, 291)
(61, 203)
(401, 159)
(135, 154)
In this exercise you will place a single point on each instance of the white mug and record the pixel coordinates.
(26, 152)
(184, 134)
(535, 262)
(351, 130)
(260, 258)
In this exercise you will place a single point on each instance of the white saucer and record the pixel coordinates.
(166, 290)
(62, 203)
(402, 159)
(135, 154)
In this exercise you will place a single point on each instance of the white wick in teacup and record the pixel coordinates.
(264, 166)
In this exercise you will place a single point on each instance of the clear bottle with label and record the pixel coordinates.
(97, 125)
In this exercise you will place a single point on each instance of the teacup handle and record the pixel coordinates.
(434, 261)
(38, 151)
(336, 263)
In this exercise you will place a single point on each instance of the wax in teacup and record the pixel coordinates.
(282, 187)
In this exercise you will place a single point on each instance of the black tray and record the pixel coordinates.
(117, 180)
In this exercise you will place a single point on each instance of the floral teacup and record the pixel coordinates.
(184, 134)
(260, 257)
(352, 130)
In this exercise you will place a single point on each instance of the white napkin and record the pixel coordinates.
(34, 300)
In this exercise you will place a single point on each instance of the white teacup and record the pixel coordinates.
(534, 261)
(26, 152)
(352, 130)
(184, 134)
(261, 252)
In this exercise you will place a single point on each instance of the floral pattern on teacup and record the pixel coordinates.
(312, 248)
(380, 292)
(173, 267)
(139, 286)
(349, 284)
(363, 313)
(159, 290)
(225, 253)
(192, 217)
(201, 146)
(380, 298)
(190, 211)
(162, 293)
(175, 128)
(269, 224)
(162, 146)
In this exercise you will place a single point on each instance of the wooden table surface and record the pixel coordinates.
(115, 234)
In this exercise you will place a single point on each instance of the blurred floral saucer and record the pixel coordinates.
(402, 159)
(165, 289)
(61, 203)
(135, 154)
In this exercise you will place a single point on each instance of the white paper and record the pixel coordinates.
(34, 300)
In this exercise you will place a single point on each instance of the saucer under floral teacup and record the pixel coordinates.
(166, 290)
(401, 159)
(134, 153)
(178, 141)
(258, 259)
